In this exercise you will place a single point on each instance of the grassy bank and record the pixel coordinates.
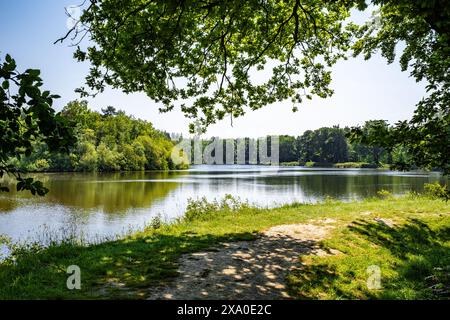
(412, 253)
(348, 165)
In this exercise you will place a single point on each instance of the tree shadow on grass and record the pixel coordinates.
(121, 268)
(238, 270)
(137, 267)
(425, 259)
(423, 266)
(228, 266)
(134, 265)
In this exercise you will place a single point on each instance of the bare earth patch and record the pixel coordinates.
(245, 269)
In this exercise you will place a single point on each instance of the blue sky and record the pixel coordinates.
(364, 90)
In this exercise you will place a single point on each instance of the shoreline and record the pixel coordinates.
(132, 266)
(307, 165)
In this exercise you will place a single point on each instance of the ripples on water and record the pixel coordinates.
(101, 205)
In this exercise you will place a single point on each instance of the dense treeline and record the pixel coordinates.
(331, 145)
(107, 141)
(326, 146)
(113, 141)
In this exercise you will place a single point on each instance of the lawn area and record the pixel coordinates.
(340, 165)
(411, 250)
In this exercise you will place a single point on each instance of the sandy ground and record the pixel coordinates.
(246, 269)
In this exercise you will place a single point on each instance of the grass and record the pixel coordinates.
(340, 165)
(358, 165)
(346, 165)
(290, 164)
(413, 255)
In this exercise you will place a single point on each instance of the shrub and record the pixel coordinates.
(384, 194)
(41, 165)
(312, 164)
(290, 164)
(437, 191)
(202, 208)
(156, 222)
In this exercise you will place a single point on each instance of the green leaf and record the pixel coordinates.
(34, 72)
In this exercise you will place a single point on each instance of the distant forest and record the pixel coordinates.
(113, 141)
(329, 146)
(106, 141)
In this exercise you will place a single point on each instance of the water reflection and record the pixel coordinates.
(107, 204)
(112, 193)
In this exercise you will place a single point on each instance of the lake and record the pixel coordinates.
(98, 205)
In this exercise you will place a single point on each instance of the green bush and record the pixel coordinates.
(156, 222)
(41, 165)
(356, 165)
(289, 164)
(202, 208)
(313, 164)
(384, 194)
(437, 191)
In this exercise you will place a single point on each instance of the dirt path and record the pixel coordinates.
(246, 269)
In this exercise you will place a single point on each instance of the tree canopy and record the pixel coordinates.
(107, 141)
(423, 28)
(208, 57)
(205, 56)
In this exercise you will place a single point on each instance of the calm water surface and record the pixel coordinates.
(99, 205)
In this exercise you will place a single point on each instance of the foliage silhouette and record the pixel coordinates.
(27, 116)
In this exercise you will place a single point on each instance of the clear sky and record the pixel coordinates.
(364, 90)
